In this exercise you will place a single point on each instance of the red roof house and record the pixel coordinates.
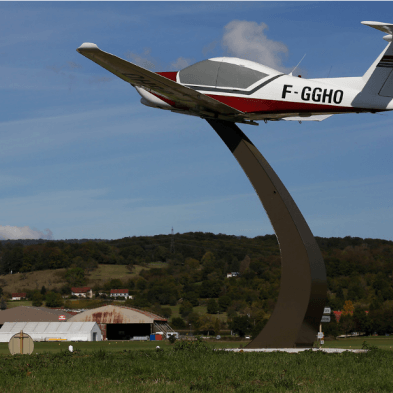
(18, 296)
(82, 292)
(120, 292)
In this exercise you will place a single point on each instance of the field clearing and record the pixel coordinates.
(197, 368)
(107, 272)
(32, 280)
(51, 279)
(104, 272)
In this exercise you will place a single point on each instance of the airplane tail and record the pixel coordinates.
(378, 80)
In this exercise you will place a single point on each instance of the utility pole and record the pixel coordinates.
(172, 248)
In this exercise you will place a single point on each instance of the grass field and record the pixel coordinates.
(33, 280)
(17, 303)
(385, 343)
(111, 367)
(52, 278)
(112, 346)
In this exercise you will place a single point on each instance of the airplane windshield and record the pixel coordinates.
(220, 74)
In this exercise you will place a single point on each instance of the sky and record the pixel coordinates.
(81, 157)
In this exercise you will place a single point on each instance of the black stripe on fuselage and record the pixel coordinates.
(234, 91)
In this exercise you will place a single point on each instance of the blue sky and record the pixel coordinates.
(80, 157)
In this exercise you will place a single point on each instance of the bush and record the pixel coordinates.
(186, 308)
(54, 300)
(37, 299)
(192, 346)
(178, 323)
(212, 307)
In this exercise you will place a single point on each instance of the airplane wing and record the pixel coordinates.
(139, 76)
(385, 27)
(308, 118)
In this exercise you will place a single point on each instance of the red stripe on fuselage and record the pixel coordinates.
(252, 105)
(170, 75)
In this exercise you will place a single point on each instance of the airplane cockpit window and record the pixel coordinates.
(220, 74)
(233, 75)
(203, 73)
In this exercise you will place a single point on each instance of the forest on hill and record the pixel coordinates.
(195, 271)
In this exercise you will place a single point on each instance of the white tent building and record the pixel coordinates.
(47, 331)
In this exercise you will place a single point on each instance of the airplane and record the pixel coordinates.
(243, 91)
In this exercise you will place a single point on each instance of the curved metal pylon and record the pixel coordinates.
(296, 317)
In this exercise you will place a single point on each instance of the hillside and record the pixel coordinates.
(189, 271)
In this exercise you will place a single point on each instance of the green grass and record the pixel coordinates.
(357, 342)
(106, 272)
(195, 369)
(17, 303)
(113, 346)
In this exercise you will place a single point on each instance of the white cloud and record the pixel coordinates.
(8, 232)
(181, 63)
(144, 60)
(247, 40)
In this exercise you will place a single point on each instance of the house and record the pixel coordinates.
(120, 292)
(18, 296)
(82, 292)
(233, 274)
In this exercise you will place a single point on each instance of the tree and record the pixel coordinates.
(76, 277)
(3, 304)
(43, 290)
(362, 323)
(37, 299)
(348, 308)
(331, 328)
(241, 325)
(115, 283)
(255, 330)
(346, 323)
(212, 306)
(178, 323)
(210, 289)
(217, 327)
(224, 302)
(192, 297)
(244, 264)
(340, 293)
(185, 308)
(1, 291)
(206, 324)
(166, 312)
(53, 299)
(193, 319)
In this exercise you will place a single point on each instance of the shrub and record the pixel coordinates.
(178, 323)
(172, 338)
(192, 346)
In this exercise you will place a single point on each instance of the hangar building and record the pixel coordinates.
(44, 331)
(31, 314)
(123, 323)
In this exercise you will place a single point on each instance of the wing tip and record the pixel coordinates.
(87, 45)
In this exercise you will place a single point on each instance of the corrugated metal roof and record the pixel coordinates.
(31, 314)
(117, 314)
(72, 331)
(47, 327)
